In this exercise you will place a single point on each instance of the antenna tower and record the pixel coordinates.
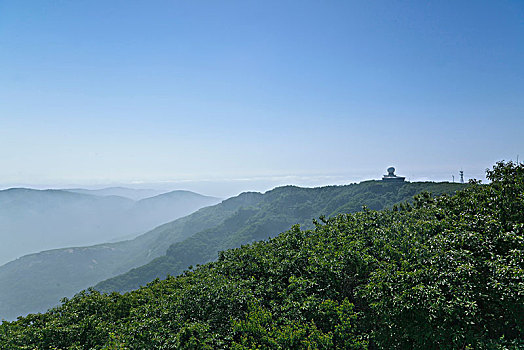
(461, 176)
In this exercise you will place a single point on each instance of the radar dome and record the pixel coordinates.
(391, 171)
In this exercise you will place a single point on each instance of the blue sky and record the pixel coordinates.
(257, 92)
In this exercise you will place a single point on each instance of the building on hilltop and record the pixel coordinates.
(391, 177)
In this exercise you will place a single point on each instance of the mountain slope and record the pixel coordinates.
(277, 210)
(36, 282)
(442, 273)
(36, 220)
(162, 208)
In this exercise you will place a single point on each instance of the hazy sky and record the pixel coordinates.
(103, 92)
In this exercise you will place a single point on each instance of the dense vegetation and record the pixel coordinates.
(266, 215)
(36, 282)
(440, 273)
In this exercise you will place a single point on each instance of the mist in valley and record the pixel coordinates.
(214, 172)
(35, 220)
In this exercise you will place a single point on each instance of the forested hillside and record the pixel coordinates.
(440, 273)
(274, 212)
(37, 282)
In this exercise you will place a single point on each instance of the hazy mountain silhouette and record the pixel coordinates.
(131, 193)
(35, 220)
(36, 282)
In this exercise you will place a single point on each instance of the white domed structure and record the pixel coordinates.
(391, 177)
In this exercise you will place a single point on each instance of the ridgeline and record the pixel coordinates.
(37, 282)
(441, 272)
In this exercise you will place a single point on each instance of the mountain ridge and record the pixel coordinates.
(291, 205)
(436, 272)
(122, 191)
(283, 207)
(33, 220)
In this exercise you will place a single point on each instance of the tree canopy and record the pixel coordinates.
(439, 273)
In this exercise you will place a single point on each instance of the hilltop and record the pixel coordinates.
(442, 273)
(268, 215)
(37, 282)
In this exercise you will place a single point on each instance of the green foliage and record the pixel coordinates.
(331, 327)
(267, 215)
(441, 273)
(36, 282)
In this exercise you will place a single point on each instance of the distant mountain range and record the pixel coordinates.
(35, 220)
(36, 282)
(131, 193)
(441, 272)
